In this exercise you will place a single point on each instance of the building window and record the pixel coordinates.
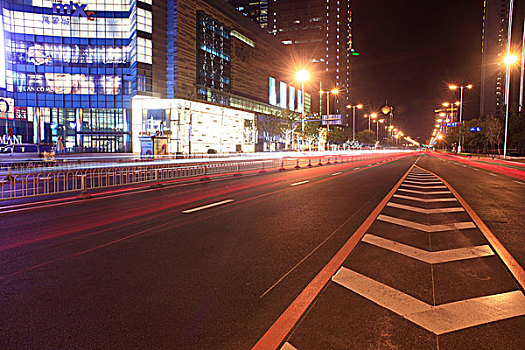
(144, 50)
(213, 53)
(144, 20)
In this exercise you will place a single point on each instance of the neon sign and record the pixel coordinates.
(73, 9)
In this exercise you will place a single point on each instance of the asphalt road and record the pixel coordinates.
(144, 270)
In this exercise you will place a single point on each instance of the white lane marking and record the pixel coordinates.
(519, 182)
(356, 168)
(434, 200)
(422, 192)
(475, 169)
(334, 174)
(493, 174)
(300, 183)
(439, 319)
(288, 346)
(435, 257)
(423, 187)
(423, 182)
(424, 227)
(412, 178)
(425, 211)
(188, 211)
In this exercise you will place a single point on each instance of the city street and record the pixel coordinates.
(215, 264)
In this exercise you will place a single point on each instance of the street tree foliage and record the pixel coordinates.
(367, 137)
(339, 134)
(488, 140)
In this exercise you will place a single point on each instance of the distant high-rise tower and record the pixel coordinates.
(319, 35)
(495, 37)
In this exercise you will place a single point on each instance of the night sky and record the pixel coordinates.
(409, 51)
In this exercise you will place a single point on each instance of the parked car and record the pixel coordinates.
(23, 152)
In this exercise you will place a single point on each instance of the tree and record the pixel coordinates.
(493, 131)
(338, 134)
(367, 137)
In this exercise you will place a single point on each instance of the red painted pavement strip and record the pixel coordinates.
(277, 333)
(515, 173)
(485, 159)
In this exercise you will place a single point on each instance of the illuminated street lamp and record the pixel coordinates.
(372, 116)
(377, 127)
(461, 87)
(509, 60)
(302, 76)
(359, 106)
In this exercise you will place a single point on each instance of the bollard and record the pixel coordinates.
(335, 162)
(262, 171)
(319, 164)
(309, 162)
(238, 173)
(328, 163)
(282, 166)
(205, 173)
(297, 166)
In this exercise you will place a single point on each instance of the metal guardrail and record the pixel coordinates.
(16, 186)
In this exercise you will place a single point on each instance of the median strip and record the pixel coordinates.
(207, 206)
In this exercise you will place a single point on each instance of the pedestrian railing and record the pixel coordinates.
(19, 185)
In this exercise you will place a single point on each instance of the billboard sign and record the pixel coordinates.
(73, 9)
(332, 119)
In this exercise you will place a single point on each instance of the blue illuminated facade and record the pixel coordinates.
(70, 72)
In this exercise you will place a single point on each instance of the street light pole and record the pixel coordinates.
(461, 87)
(509, 60)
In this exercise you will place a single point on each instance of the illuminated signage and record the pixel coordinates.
(283, 100)
(66, 84)
(2, 54)
(300, 106)
(272, 92)
(291, 104)
(25, 52)
(73, 9)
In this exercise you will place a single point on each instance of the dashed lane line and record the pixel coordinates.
(338, 173)
(425, 211)
(188, 211)
(493, 174)
(441, 319)
(300, 183)
(519, 182)
(424, 227)
(434, 200)
(435, 257)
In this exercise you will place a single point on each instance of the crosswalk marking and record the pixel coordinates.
(424, 227)
(435, 257)
(441, 319)
(434, 200)
(425, 211)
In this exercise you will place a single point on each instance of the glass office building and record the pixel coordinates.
(68, 72)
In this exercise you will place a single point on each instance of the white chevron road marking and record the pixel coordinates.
(439, 319)
(436, 257)
(423, 187)
(424, 227)
(424, 182)
(421, 192)
(433, 200)
(425, 211)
